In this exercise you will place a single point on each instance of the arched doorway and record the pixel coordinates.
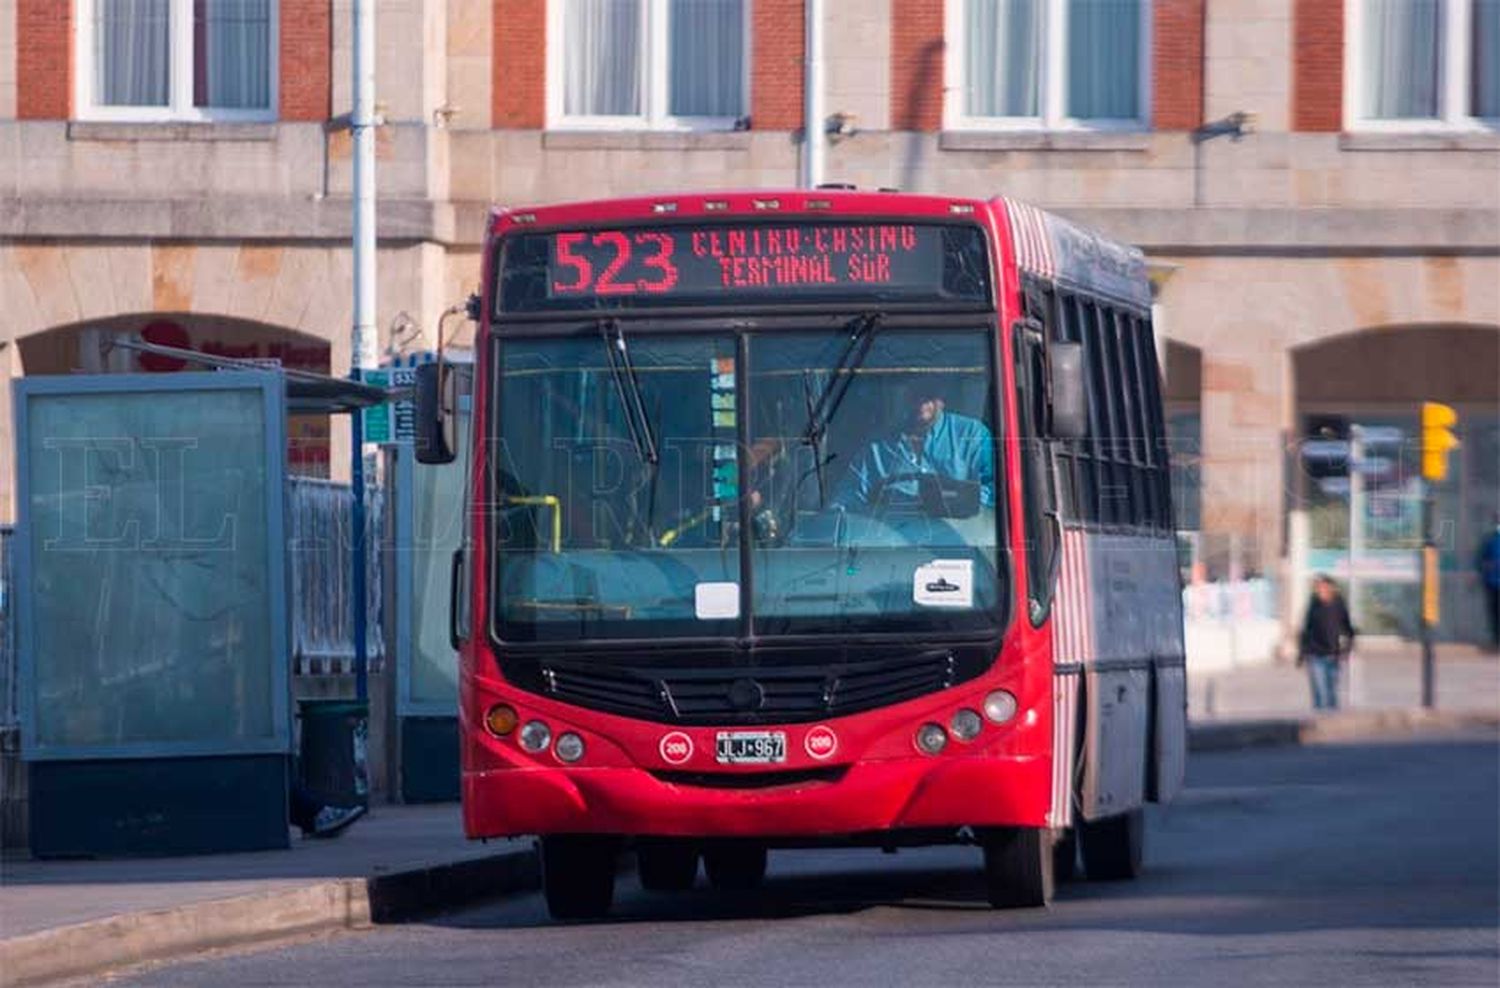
(87, 348)
(1356, 487)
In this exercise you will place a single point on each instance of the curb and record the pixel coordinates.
(1347, 725)
(1244, 734)
(339, 904)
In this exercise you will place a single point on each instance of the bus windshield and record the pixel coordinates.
(862, 457)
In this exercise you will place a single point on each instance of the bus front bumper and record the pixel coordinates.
(916, 792)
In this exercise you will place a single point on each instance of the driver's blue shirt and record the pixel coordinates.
(955, 446)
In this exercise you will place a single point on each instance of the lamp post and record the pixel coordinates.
(362, 356)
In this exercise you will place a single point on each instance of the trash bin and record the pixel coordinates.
(332, 753)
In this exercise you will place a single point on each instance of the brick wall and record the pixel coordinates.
(1177, 64)
(519, 65)
(1318, 65)
(306, 57)
(776, 67)
(916, 65)
(44, 59)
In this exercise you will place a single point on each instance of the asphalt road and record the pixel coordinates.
(1349, 864)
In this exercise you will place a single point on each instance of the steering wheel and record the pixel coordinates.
(939, 495)
(878, 499)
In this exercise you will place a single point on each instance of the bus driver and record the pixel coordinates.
(927, 439)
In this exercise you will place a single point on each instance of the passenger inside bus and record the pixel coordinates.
(925, 439)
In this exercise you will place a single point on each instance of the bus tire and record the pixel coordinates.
(1113, 847)
(578, 874)
(735, 867)
(666, 865)
(1018, 866)
(1065, 855)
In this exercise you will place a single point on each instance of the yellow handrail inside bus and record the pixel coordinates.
(544, 501)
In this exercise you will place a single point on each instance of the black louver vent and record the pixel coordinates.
(763, 694)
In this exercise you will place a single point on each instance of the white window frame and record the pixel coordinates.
(1054, 78)
(1454, 76)
(179, 108)
(655, 84)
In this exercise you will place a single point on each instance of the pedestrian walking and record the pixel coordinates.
(1489, 581)
(1327, 639)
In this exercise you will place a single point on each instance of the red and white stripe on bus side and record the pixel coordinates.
(1064, 716)
(1028, 226)
(1072, 644)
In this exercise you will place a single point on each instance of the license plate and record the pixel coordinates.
(750, 747)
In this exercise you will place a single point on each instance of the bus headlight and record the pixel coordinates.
(536, 736)
(931, 739)
(966, 725)
(569, 747)
(1000, 706)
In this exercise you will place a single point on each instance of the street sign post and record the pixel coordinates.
(394, 423)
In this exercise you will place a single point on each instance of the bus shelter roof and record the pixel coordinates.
(306, 392)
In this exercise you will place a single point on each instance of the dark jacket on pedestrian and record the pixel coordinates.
(1327, 630)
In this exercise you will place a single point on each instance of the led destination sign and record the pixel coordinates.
(757, 264)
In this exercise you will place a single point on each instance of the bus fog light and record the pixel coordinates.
(931, 739)
(966, 725)
(569, 747)
(536, 736)
(501, 719)
(1000, 706)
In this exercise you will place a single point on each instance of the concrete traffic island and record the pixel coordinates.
(72, 919)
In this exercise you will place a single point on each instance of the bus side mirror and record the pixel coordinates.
(436, 407)
(1068, 400)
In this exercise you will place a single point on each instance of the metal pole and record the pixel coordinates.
(814, 138)
(1356, 512)
(363, 356)
(1429, 592)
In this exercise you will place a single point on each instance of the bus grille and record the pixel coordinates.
(762, 694)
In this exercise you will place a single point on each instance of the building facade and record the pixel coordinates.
(1317, 183)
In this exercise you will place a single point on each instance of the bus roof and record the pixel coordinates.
(1058, 251)
(760, 203)
(1046, 246)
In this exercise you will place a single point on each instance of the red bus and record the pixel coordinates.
(813, 517)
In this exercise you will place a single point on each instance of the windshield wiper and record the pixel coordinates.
(820, 412)
(628, 390)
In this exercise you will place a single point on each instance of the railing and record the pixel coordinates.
(320, 527)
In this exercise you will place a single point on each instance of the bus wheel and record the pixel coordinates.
(1112, 847)
(666, 865)
(735, 867)
(1017, 867)
(1065, 855)
(578, 874)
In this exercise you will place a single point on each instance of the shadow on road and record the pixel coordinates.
(1329, 837)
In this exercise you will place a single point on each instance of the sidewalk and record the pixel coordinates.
(1380, 677)
(71, 918)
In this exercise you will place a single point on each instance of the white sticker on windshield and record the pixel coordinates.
(716, 601)
(944, 583)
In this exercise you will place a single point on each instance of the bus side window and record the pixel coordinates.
(1091, 468)
(1112, 475)
(1141, 495)
(1160, 453)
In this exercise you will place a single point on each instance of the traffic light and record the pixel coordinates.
(1437, 439)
